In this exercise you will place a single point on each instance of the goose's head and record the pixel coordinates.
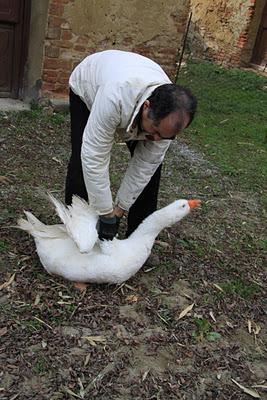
(179, 209)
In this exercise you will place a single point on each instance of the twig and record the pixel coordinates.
(42, 322)
(78, 305)
(118, 288)
(108, 368)
(162, 319)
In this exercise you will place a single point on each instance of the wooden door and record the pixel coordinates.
(14, 27)
(260, 49)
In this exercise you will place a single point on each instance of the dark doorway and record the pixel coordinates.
(14, 29)
(260, 49)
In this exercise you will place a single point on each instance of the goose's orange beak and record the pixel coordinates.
(193, 203)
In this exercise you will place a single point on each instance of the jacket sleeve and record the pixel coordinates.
(148, 155)
(98, 138)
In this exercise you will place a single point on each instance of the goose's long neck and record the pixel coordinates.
(152, 225)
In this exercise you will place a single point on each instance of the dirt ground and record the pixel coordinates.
(131, 341)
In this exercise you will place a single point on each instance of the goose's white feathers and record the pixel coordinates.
(109, 261)
(79, 220)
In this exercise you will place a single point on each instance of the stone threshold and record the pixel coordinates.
(13, 105)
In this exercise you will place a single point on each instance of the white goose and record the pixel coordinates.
(108, 261)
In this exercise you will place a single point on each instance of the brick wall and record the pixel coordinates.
(81, 27)
(224, 31)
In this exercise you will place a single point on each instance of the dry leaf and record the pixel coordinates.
(253, 327)
(218, 287)
(249, 325)
(149, 269)
(260, 386)
(145, 375)
(23, 258)
(212, 316)
(57, 160)
(4, 180)
(80, 286)
(230, 324)
(87, 358)
(67, 390)
(8, 283)
(245, 143)
(129, 287)
(165, 245)
(37, 300)
(82, 391)
(93, 340)
(251, 392)
(3, 331)
(132, 298)
(61, 302)
(256, 329)
(64, 296)
(186, 311)
(187, 296)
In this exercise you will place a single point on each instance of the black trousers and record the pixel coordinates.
(144, 205)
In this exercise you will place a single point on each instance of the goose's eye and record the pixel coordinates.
(183, 205)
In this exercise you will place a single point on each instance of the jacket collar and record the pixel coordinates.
(144, 96)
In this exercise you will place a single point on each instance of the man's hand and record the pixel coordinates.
(119, 212)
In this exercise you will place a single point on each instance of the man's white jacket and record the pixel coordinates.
(114, 84)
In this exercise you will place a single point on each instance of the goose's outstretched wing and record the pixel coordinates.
(80, 222)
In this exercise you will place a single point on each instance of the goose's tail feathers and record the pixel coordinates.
(37, 229)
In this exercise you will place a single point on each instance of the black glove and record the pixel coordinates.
(107, 227)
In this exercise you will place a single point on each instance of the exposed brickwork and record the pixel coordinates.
(224, 31)
(65, 47)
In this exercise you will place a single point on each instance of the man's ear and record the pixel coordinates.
(146, 104)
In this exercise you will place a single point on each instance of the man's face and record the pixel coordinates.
(167, 128)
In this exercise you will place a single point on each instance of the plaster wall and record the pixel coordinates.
(225, 31)
(33, 70)
(81, 27)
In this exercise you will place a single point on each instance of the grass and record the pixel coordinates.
(238, 287)
(230, 127)
(3, 246)
(41, 366)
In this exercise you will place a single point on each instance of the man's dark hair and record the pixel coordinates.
(169, 98)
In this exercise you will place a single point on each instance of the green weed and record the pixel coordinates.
(4, 247)
(58, 118)
(32, 325)
(204, 330)
(41, 366)
(34, 114)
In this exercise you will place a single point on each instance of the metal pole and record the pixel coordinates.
(183, 48)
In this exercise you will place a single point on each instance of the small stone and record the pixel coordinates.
(152, 261)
